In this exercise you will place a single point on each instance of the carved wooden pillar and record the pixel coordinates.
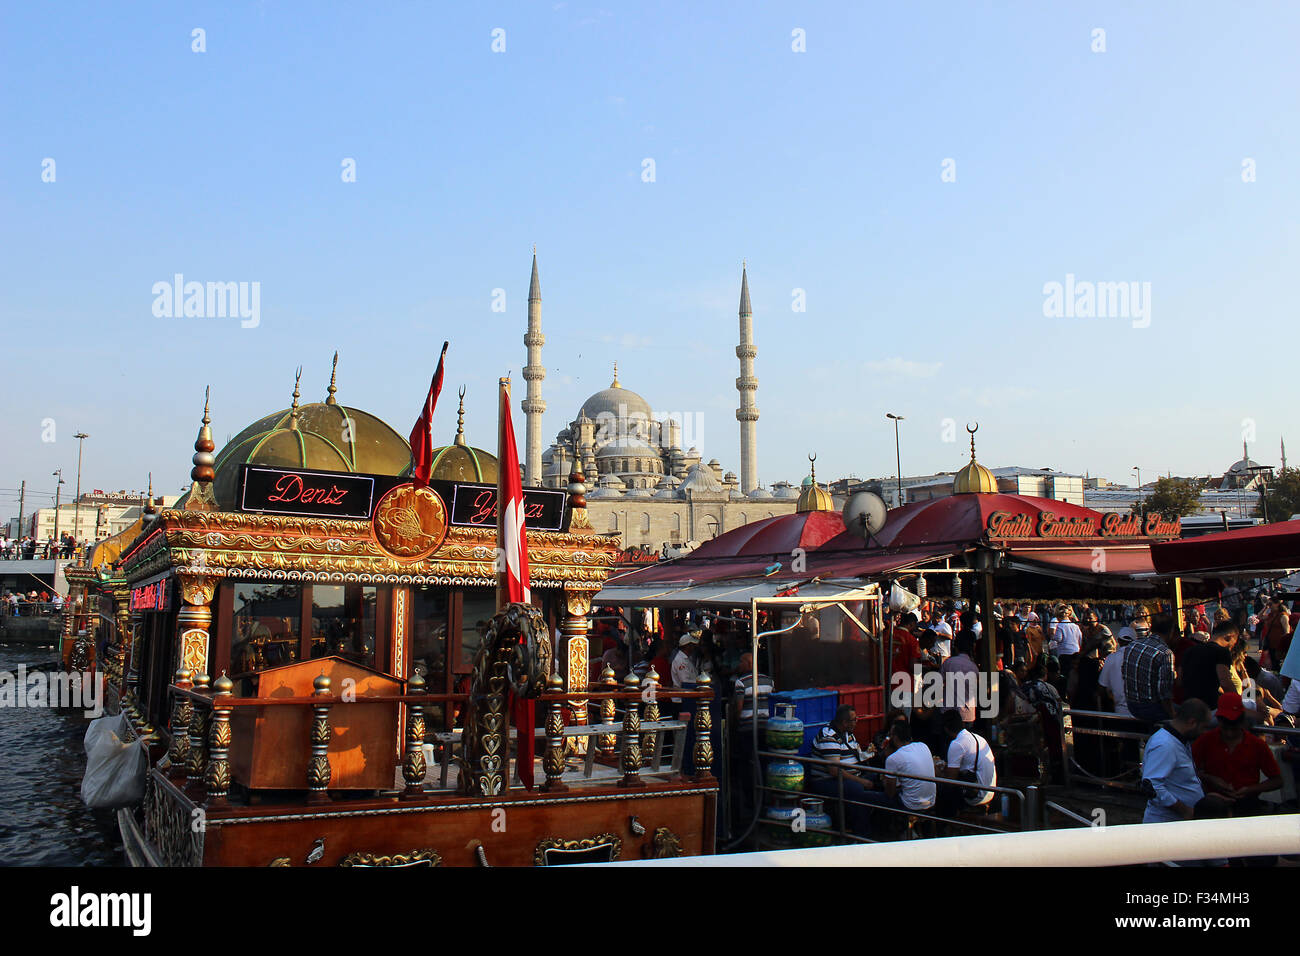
(132, 684)
(650, 740)
(218, 775)
(573, 630)
(631, 762)
(553, 759)
(608, 743)
(318, 769)
(178, 755)
(704, 731)
(194, 619)
(197, 758)
(122, 617)
(413, 768)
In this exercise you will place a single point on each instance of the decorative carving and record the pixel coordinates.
(553, 759)
(650, 740)
(410, 523)
(413, 768)
(704, 731)
(666, 845)
(318, 768)
(552, 849)
(608, 743)
(578, 602)
(218, 775)
(631, 762)
(515, 655)
(425, 857)
(169, 826)
(197, 764)
(197, 589)
(280, 861)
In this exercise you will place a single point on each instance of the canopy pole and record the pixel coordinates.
(990, 625)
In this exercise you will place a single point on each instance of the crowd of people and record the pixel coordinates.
(27, 548)
(30, 604)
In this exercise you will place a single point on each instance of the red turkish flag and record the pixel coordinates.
(512, 574)
(422, 433)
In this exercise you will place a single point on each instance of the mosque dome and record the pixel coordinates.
(813, 497)
(784, 490)
(701, 479)
(760, 494)
(320, 435)
(974, 478)
(617, 403)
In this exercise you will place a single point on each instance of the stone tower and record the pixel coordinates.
(534, 372)
(747, 385)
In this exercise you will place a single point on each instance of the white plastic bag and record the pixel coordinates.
(901, 599)
(115, 768)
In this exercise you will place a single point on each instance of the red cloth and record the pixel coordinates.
(422, 433)
(906, 651)
(512, 583)
(1239, 768)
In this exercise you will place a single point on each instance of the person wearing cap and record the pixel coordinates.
(1232, 760)
(685, 667)
(1169, 777)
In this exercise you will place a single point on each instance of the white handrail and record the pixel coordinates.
(1094, 846)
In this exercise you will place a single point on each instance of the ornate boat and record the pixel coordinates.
(312, 653)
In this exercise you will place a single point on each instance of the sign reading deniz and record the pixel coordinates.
(324, 494)
(1007, 524)
(330, 494)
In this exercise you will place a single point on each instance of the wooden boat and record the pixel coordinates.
(298, 636)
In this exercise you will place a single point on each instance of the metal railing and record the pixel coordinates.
(1029, 803)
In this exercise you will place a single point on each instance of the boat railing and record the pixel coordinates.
(202, 728)
(1028, 802)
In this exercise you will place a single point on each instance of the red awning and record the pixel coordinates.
(1270, 547)
(1099, 561)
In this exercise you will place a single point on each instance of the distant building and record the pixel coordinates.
(100, 515)
(1013, 480)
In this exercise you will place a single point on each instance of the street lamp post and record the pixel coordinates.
(76, 520)
(1139, 474)
(57, 489)
(898, 461)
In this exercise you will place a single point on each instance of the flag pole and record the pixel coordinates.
(503, 409)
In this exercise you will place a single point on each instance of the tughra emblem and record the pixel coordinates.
(410, 523)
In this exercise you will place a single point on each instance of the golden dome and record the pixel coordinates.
(323, 435)
(813, 497)
(974, 478)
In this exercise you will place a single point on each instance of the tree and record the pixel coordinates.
(1283, 495)
(1171, 498)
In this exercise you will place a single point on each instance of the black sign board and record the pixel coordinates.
(301, 491)
(331, 494)
(475, 506)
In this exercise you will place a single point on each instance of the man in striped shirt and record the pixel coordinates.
(742, 719)
(836, 743)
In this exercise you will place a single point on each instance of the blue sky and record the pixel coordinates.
(822, 168)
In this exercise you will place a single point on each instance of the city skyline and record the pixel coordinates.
(927, 205)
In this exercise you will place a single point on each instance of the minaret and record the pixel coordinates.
(534, 372)
(1284, 454)
(747, 384)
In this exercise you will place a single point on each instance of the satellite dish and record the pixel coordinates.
(864, 514)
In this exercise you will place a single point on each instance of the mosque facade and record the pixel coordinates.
(641, 481)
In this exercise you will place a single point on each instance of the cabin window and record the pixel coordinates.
(343, 622)
(430, 613)
(266, 627)
(477, 610)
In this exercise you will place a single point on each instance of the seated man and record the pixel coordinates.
(970, 760)
(911, 757)
(836, 742)
(1231, 760)
(1169, 776)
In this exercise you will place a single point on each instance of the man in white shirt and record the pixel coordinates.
(942, 635)
(911, 757)
(968, 753)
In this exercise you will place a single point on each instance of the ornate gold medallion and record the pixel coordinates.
(410, 523)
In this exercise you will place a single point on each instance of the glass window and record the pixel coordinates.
(266, 626)
(429, 634)
(476, 611)
(343, 622)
